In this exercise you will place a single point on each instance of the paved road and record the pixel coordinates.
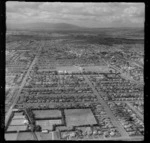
(53, 138)
(140, 115)
(19, 91)
(107, 109)
(126, 76)
(136, 64)
(123, 75)
(21, 86)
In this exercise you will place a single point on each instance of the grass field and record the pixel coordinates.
(97, 68)
(44, 136)
(25, 136)
(16, 122)
(11, 136)
(76, 117)
(48, 124)
(68, 68)
(47, 113)
(17, 128)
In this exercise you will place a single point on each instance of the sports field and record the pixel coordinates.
(25, 136)
(48, 124)
(44, 136)
(47, 113)
(17, 128)
(103, 68)
(76, 117)
(10, 136)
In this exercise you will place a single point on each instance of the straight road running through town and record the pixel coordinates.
(107, 109)
(20, 88)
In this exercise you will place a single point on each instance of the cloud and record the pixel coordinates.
(87, 14)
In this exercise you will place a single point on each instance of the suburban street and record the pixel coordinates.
(20, 88)
(107, 109)
(140, 115)
(74, 71)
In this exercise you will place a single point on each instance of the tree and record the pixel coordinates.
(31, 115)
(37, 128)
(130, 119)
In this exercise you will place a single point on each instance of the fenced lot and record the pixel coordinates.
(44, 136)
(47, 113)
(48, 124)
(11, 136)
(76, 117)
(25, 136)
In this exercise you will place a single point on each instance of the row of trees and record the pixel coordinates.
(33, 125)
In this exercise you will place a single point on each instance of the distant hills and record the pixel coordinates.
(43, 26)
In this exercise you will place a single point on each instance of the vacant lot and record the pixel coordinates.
(47, 113)
(76, 117)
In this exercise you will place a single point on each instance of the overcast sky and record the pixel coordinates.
(82, 14)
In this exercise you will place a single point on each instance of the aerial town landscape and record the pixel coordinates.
(74, 84)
